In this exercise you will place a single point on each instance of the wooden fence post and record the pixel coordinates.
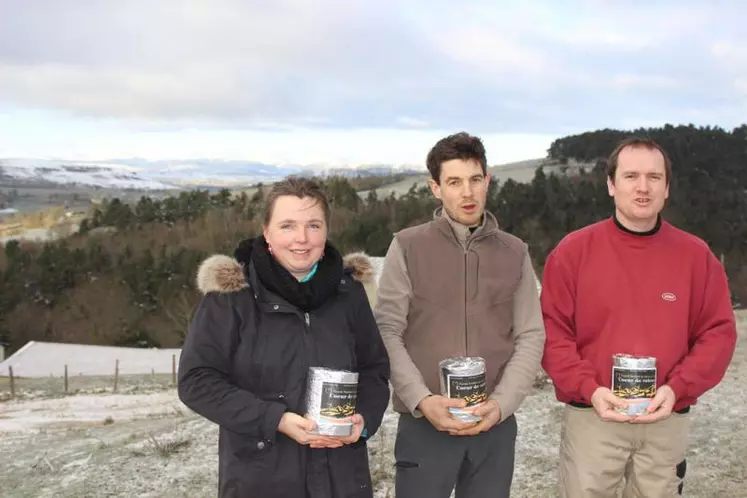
(65, 378)
(12, 383)
(116, 375)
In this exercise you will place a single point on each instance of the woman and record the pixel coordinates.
(286, 302)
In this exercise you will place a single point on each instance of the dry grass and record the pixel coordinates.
(164, 446)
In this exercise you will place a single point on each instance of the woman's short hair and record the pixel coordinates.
(297, 187)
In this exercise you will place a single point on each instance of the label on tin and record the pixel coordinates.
(338, 400)
(471, 388)
(637, 386)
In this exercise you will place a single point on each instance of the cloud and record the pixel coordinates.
(547, 67)
(412, 122)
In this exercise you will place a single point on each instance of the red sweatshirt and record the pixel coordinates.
(606, 291)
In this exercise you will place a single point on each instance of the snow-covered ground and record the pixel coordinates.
(42, 359)
(148, 444)
(86, 409)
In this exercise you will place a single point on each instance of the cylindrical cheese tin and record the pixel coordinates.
(634, 379)
(331, 397)
(464, 378)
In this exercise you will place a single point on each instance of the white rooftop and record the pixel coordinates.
(42, 359)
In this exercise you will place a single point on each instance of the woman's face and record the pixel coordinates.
(296, 233)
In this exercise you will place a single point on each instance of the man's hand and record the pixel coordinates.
(490, 413)
(355, 434)
(436, 409)
(659, 408)
(606, 404)
(299, 429)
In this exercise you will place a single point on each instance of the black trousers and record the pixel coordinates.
(430, 463)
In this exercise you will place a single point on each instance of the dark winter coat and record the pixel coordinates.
(245, 361)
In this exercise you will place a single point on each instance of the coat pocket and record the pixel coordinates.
(250, 448)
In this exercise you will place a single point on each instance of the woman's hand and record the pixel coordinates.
(355, 434)
(299, 429)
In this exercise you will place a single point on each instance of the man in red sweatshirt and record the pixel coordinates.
(632, 284)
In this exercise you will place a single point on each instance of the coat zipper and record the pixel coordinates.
(466, 334)
(466, 288)
(308, 347)
(307, 333)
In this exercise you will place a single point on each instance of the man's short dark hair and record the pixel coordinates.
(458, 146)
(637, 142)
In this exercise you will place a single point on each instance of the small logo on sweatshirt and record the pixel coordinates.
(668, 296)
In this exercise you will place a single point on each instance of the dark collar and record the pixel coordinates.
(640, 234)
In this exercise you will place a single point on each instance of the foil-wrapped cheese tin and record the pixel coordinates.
(464, 377)
(634, 380)
(331, 397)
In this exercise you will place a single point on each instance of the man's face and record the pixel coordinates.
(462, 191)
(640, 187)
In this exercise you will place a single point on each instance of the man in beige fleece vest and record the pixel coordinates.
(458, 286)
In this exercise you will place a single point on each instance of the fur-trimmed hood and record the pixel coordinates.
(221, 273)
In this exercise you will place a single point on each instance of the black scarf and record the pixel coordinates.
(306, 296)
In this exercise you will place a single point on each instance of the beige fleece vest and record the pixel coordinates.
(462, 302)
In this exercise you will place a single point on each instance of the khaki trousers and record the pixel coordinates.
(596, 456)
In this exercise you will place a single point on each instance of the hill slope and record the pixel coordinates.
(519, 171)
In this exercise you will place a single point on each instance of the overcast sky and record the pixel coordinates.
(359, 81)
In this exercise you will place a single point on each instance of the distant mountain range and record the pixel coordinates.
(39, 172)
(141, 174)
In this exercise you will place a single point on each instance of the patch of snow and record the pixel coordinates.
(86, 409)
(42, 359)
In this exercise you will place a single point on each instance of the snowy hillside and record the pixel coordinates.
(42, 172)
(209, 172)
(141, 174)
(144, 174)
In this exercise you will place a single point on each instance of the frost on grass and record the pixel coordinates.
(54, 386)
(157, 447)
(87, 410)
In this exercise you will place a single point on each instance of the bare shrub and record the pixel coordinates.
(164, 446)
